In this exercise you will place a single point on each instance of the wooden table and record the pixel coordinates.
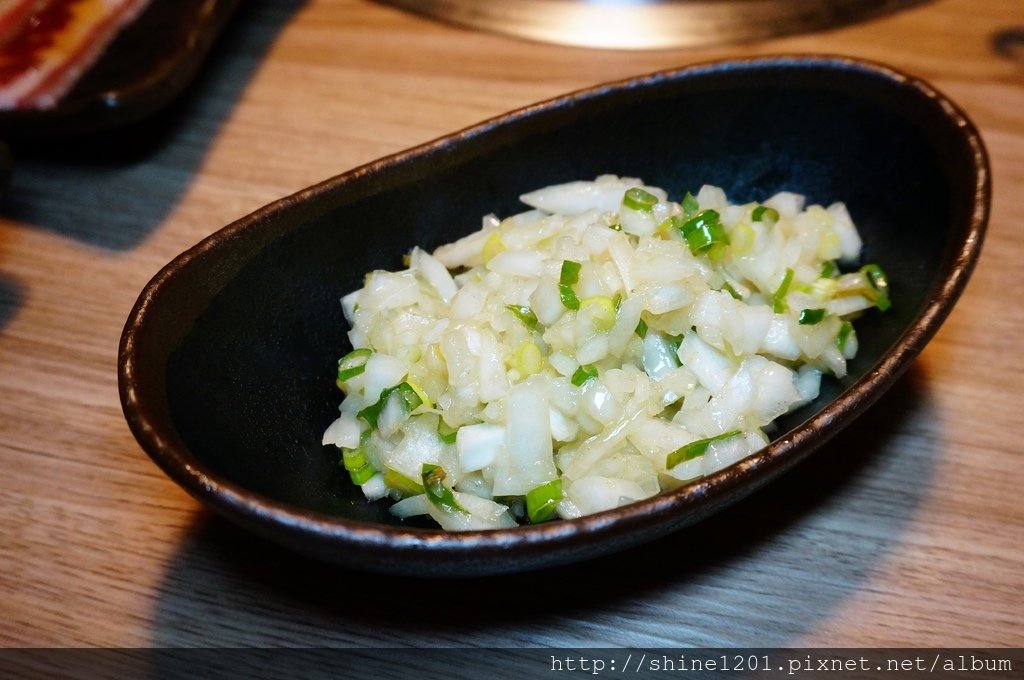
(909, 530)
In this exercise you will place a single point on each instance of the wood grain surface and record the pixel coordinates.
(907, 531)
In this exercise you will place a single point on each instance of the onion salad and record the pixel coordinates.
(593, 351)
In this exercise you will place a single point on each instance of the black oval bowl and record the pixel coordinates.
(227, 360)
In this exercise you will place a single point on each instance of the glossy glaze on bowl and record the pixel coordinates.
(227, 359)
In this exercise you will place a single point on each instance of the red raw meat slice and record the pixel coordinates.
(58, 43)
(15, 16)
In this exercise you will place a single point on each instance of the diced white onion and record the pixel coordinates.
(343, 432)
(595, 493)
(478, 445)
(382, 371)
(435, 273)
(374, 488)
(594, 380)
(528, 460)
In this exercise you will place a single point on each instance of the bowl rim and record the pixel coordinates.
(671, 509)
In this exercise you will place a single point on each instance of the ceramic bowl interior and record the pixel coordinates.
(227, 360)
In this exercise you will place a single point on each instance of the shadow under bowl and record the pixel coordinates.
(227, 360)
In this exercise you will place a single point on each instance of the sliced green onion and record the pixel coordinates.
(412, 398)
(829, 269)
(542, 501)
(358, 465)
(424, 399)
(843, 336)
(399, 482)
(689, 205)
(809, 317)
(880, 283)
(763, 213)
(638, 199)
(641, 329)
(354, 459)
(704, 233)
(492, 246)
(411, 395)
(529, 360)
(673, 222)
(437, 493)
(569, 275)
(615, 227)
(372, 412)
(362, 475)
(568, 296)
(583, 374)
(728, 288)
(353, 363)
(602, 311)
(779, 299)
(695, 449)
(446, 432)
(525, 314)
(742, 238)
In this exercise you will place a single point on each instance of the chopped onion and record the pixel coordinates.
(603, 345)
(343, 432)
